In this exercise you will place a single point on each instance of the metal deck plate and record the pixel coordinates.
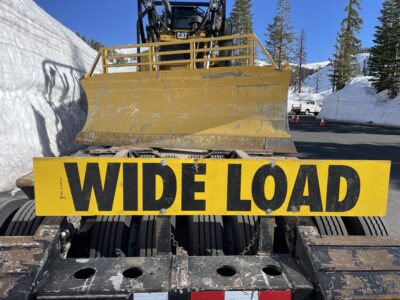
(351, 267)
(176, 275)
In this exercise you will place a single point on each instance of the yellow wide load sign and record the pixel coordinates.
(114, 186)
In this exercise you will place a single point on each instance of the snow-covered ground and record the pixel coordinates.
(42, 106)
(358, 102)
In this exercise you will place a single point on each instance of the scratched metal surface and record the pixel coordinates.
(22, 261)
(108, 278)
(174, 274)
(352, 267)
(222, 108)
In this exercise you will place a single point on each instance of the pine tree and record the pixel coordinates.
(242, 17)
(280, 34)
(333, 77)
(301, 58)
(347, 46)
(384, 62)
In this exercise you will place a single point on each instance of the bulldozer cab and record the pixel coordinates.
(167, 20)
(186, 18)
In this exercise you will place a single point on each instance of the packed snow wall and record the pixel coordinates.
(359, 102)
(42, 105)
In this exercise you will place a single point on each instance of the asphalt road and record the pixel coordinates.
(348, 141)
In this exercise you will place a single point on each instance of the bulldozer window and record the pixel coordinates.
(181, 17)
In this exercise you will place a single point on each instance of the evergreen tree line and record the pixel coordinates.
(96, 45)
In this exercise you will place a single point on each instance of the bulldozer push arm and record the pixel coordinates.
(186, 192)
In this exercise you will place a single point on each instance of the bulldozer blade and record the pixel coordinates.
(241, 107)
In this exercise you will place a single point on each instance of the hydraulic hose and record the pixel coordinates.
(168, 12)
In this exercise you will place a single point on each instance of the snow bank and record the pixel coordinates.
(358, 102)
(42, 106)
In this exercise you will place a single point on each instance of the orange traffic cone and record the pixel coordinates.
(322, 123)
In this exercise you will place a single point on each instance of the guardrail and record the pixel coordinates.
(197, 53)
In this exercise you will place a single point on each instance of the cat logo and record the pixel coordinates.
(111, 186)
(180, 35)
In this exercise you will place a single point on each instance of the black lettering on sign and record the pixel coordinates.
(190, 187)
(258, 187)
(81, 196)
(150, 171)
(234, 189)
(333, 203)
(130, 187)
(307, 174)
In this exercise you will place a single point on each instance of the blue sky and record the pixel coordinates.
(113, 22)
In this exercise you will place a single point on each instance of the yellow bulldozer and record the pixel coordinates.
(194, 87)
(187, 190)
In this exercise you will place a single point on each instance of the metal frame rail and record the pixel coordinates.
(242, 48)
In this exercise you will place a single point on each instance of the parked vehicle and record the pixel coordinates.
(308, 108)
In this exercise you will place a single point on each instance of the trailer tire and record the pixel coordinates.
(331, 226)
(375, 225)
(367, 226)
(123, 236)
(8, 208)
(244, 229)
(147, 236)
(112, 237)
(24, 222)
(206, 236)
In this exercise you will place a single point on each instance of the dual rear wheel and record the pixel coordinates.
(122, 236)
